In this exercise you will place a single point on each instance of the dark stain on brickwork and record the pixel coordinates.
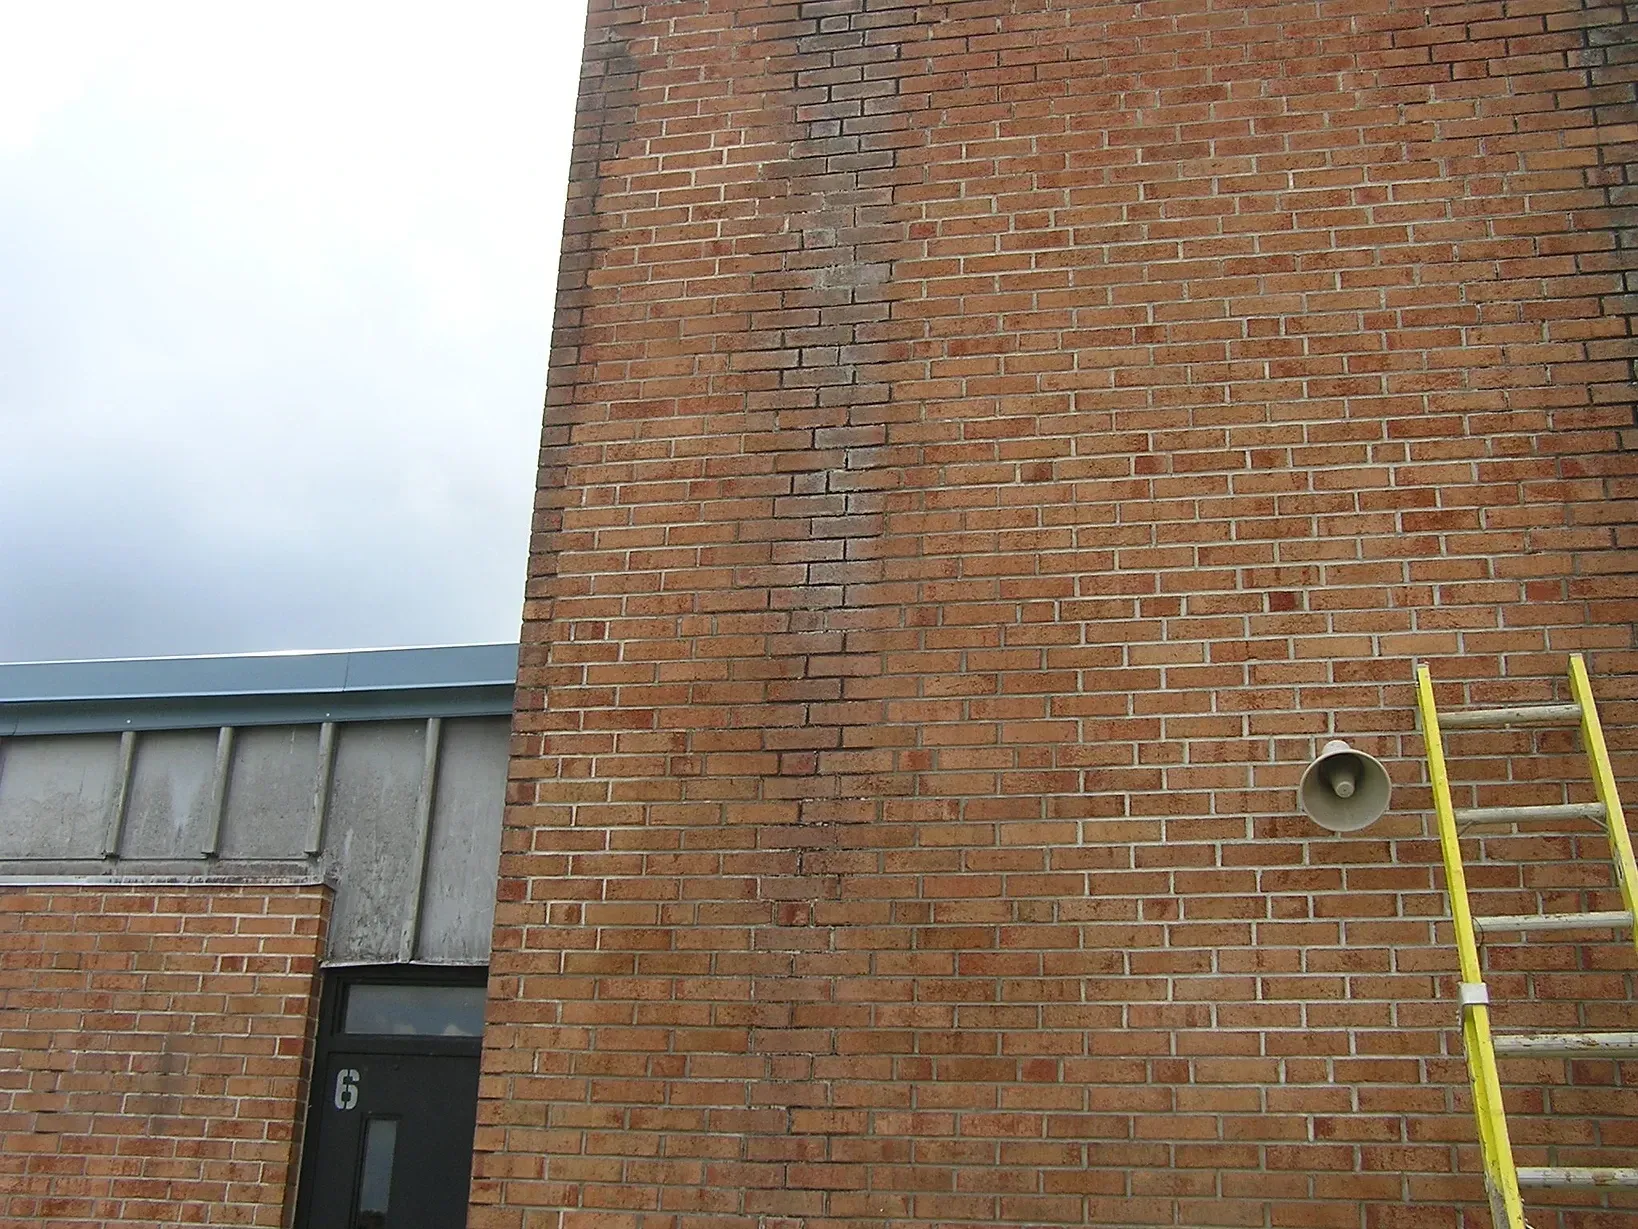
(827, 204)
(1609, 58)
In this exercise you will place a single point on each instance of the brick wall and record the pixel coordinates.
(988, 446)
(154, 1052)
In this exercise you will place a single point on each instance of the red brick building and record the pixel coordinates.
(989, 446)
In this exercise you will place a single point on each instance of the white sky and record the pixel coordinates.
(275, 289)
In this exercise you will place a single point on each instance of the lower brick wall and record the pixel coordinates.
(154, 1051)
(1180, 1042)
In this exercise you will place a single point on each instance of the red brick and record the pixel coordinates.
(988, 446)
(152, 1101)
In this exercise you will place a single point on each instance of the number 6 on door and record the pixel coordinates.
(346, 1088)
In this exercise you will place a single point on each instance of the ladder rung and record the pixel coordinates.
(1529, 714)
(1531, 815)
(1566, 1045)
(1547, 1175)
(1552, 921)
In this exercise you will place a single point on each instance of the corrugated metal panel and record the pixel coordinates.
(55, 794)
(269, 800)
(166, 815)
(463, 855)
(370, 835)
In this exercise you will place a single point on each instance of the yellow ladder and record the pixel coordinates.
(1502, 1177)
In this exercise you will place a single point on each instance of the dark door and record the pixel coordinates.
(395, 1141)
(394, 1104)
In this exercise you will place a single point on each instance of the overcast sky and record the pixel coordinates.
(275, 288)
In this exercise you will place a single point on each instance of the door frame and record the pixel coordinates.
(330, 1039)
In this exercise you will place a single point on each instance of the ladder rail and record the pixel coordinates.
(1501, 1177)
(1603, 775)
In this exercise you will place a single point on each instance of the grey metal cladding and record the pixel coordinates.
(411, 844)
(167, 815)
(463, 854)
(370, 836)
(55, 794)
(270, 792)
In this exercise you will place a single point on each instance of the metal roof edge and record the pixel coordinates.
(259, 674)
(85, 697)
